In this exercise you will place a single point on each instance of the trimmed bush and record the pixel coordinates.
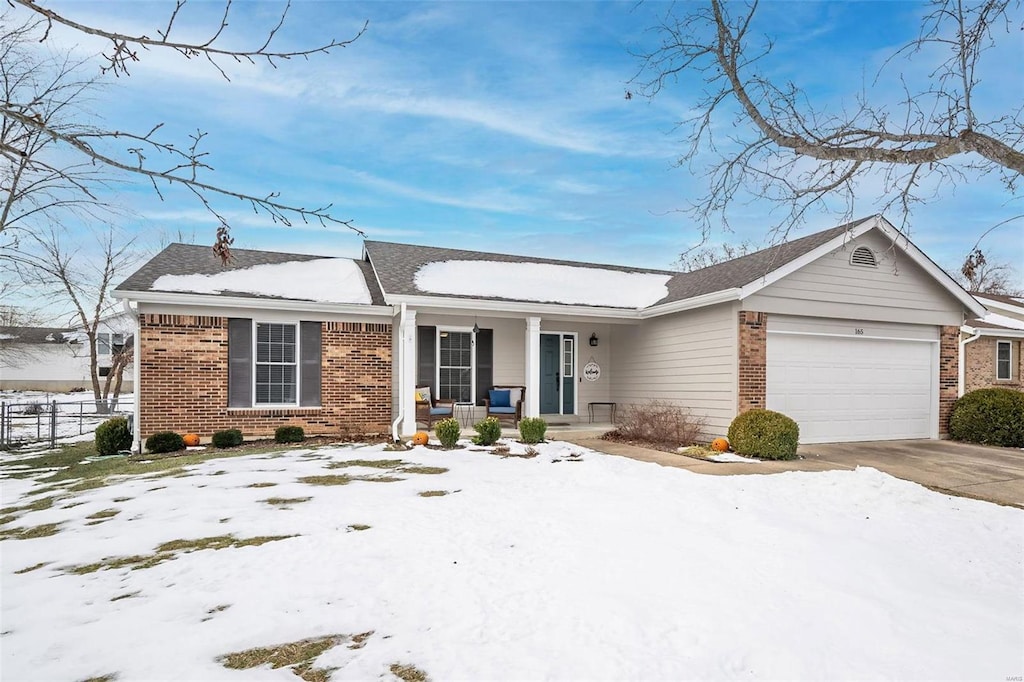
(165, 441)
(228, 438)
(112, 436)
(289, 434)
(448, 432)
(659, 423)
(488, 431)
(990, 416)
(532, 429)
(764, 434)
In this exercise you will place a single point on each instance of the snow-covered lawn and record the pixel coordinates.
(570, 565)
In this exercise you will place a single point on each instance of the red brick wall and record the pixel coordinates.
(184, 380)
(949, 374)
(980, 364)
(753, 347)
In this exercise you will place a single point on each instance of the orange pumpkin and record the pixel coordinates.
(720, 445)
(420, 438)
(191, 439)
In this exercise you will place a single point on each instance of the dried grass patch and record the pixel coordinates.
(285, 501)
(408, 673)
(372, 463)
(423, 470)
(433, 493)
(30, 533)
(298, 656)
(170, 550)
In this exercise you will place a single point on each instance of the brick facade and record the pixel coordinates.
(949, 374)
(183, 365)
(753, 347)
(980, 364)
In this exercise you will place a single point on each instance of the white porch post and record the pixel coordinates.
(532, 406)
(407, 372)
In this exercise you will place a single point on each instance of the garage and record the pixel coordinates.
(844, 380)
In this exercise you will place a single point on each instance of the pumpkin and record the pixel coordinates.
(191, 440)
(420, 438)
(720, 445)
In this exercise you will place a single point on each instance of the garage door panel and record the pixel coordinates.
(848, 389)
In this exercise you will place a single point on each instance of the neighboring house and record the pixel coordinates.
(991, 345)
(851, 331)
(57, 359)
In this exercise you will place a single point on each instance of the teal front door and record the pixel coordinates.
(549, 374)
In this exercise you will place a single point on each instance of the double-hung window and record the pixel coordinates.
(1004, 360)
(276, 371)
(455, 366)
(109, 344)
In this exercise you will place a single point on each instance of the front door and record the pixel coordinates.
(549, 374)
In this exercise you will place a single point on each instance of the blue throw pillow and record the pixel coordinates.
(500, 398)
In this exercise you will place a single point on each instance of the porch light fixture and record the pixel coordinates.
(593, 339)
(476, 327)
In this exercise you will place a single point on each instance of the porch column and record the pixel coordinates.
(531, 408)
(407, 372)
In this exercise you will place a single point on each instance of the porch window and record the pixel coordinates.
(275, 364)
(455, 366)
(1004, 357)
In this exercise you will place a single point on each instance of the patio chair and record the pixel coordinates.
(505, 403)
(430, 410)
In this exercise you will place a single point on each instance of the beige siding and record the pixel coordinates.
(688, 358)
(898, 290)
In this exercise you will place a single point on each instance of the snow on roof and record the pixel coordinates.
(7, 337)
(329, 280)
(543, 282)
(1003, 321)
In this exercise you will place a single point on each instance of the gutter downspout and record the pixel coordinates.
(401, 370)
(962, 379)
(136, 384)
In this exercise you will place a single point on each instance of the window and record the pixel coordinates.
(107, 343)
(1004, 360)
(567, 363)
(455, 366)
(275, 364)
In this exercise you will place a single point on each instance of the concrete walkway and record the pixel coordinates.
(985, 473)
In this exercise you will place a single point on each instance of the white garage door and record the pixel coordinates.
(852, 389)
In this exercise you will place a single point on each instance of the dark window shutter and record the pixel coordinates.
(239, 362)
(426, 338)
(309, 359)
(484, 363)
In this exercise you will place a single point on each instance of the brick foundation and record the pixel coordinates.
(949, 374)
(980, 364)
(753, 346)
(184, 380)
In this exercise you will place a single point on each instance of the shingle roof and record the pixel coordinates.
(34, 335)
(396, 265)
(191, 259)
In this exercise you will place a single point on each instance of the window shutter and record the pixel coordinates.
(484, 363)
(309, 359)
(426, 340)
(239, 362)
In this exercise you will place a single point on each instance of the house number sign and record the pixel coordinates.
(591, 371)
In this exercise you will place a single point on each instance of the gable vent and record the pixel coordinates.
(862, 255)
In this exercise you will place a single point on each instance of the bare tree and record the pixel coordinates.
(984, 274)
(706, 256)
(800, 155)
(55, 270)
(36, 107)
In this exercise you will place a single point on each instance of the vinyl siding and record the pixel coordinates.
(897, 290)
(688, 359)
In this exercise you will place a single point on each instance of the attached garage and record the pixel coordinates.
(848, 380)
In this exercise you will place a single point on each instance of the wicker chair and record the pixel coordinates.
(429, 409)
(512, 410)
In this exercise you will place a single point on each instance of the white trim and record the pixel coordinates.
(575, 368)
(961, 358)
(994, 331)
(297, 364)
(255, 303)
(853, 336)
(702, 301)
(1000, 305)
(529, 309)
(1010, 363)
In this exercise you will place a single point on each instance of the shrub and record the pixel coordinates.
(764, 434)
(448, 432)
(112, 436)
(289, 434)
(228, 438)
(488, 431)
(660, 423)
(165, 441)
(532, 429)
(990, 416)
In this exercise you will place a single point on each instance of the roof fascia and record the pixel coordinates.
(475, 305)
(701, 301)
(809, 257)
(264, 303)
(1000, 305)
(1002, 332)
(376, 275)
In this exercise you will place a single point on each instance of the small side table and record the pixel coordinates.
(464, 413)
(610, 406)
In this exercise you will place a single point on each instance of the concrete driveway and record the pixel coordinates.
(985, 473)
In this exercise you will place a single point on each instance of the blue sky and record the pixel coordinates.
(497, 126)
